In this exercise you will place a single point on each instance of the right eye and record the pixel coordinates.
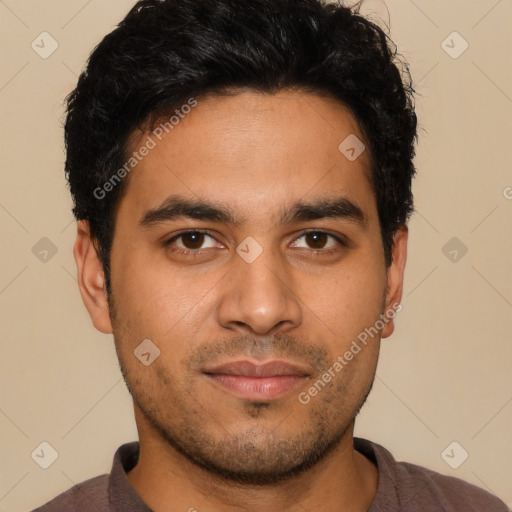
(191, 242)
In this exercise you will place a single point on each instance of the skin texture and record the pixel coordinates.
(255, 154)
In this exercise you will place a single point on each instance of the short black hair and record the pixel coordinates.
(165, 52)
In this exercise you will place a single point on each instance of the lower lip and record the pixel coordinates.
(257, 388)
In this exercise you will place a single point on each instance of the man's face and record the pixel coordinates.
(301, 302)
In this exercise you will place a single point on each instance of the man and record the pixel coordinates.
(241, 173)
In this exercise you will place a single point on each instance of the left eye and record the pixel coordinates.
(318, 239)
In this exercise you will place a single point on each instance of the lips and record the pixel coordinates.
(250, 369)
(258, 381)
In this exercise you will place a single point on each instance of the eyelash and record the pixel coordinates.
(316, 252)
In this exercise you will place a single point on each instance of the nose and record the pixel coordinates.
(258, 297)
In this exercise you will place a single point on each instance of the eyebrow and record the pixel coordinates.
(176, 207)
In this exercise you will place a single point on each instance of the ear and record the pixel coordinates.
(91, 279)
(395, 279)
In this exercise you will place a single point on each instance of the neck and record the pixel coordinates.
(169, 482)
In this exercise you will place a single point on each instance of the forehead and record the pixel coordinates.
(252, 151)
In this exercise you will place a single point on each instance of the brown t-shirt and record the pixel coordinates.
(402, 487)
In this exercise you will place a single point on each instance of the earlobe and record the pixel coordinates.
(395, 279)
(91, 279)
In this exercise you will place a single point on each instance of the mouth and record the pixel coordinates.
(258, 381)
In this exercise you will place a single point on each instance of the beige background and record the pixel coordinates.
(444, 375)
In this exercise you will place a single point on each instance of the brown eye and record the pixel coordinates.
(190, 242)
(319, 241)
(316, 239)
(193, 240)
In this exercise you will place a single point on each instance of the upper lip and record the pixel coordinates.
(248, 368)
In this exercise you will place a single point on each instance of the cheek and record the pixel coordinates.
(162, 303)
(148, 291)
(348, 300)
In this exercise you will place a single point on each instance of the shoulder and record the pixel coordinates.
(406, 486)
(88, 496)
(449, 493)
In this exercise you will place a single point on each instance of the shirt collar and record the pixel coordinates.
(122, 495)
